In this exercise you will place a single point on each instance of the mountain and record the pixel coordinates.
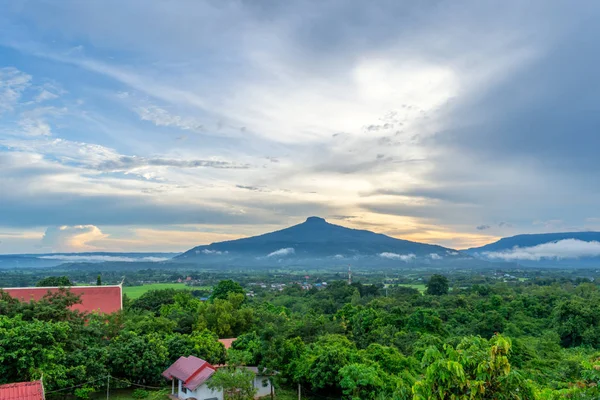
(317, 241)
(565, 249)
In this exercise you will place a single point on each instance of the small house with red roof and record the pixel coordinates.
(94, 299)
(23, 391)
(189, 375)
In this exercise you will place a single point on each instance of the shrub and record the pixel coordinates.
(140, 394)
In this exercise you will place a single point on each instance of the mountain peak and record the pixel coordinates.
(315, 220)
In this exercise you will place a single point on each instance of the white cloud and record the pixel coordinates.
(35, 127)
(161, 117)
(395, 256)
(435, 256)
(338, 256)
(567, 248)
(72, 238)
(12, 84)
(212, 252)
(45, 95)
(101, 258)
(282, 252)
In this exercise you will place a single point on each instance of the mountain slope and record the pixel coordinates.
(317, 239)
(564, 249)
(529, 240)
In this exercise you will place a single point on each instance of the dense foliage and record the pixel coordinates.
(359, 341)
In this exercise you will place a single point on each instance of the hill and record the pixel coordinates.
(321, 243)
(564, 249)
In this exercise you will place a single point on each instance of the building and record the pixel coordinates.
(23, 391)
(99, 299)
(227, 342)
(189, 377)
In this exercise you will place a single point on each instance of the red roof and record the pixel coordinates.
(227, 342)
(103, 299)
(193, 371)
(22, 391)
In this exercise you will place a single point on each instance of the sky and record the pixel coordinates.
(161, 125)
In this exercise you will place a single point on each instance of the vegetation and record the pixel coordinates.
(537, 339)
(54, 281)
(133, 292)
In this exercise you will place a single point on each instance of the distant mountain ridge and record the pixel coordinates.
(323, 243)
(534, 239)
(563, 249)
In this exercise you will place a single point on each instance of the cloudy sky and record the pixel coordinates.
(159, 125)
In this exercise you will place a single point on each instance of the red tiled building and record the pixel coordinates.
(100, 299)
(22, 391)
(227, 342)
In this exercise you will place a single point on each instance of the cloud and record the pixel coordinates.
(72, 238)
(129, 163)
(567, 248)
(35, 127)
(394, 256)
(102, 258)
(45, 95)
(282, 252)
(483, 227)
(435, 256)
(12, 85)
(161, 117)
(463, 114)
(212, 252)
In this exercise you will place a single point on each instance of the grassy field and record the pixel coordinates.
(133, 292)
(419, 286)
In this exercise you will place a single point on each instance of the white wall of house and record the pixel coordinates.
(204, 393)
(259, 382)
(201, 393)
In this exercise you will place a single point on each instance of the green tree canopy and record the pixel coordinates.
(437, 285)
(224, 288)
(52, 281)
(235, 382)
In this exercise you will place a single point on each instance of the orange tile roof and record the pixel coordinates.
(22, 391)
(103, 299)
(227, 342)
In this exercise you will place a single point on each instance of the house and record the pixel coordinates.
(227, 342)
(101, 299)
(189, 377)
(23, 391)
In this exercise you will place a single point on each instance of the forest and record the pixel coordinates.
(493, 340)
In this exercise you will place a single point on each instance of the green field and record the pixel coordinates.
(419, 286)
(133, 292)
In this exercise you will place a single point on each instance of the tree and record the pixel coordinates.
(99, 280)
(224, 288)
(437, 285)
(153, 300)
(139, 358)
(361, 381)
(53, 281)
(203, 344)
(322, 361)
(476, 369)
(235, 382)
